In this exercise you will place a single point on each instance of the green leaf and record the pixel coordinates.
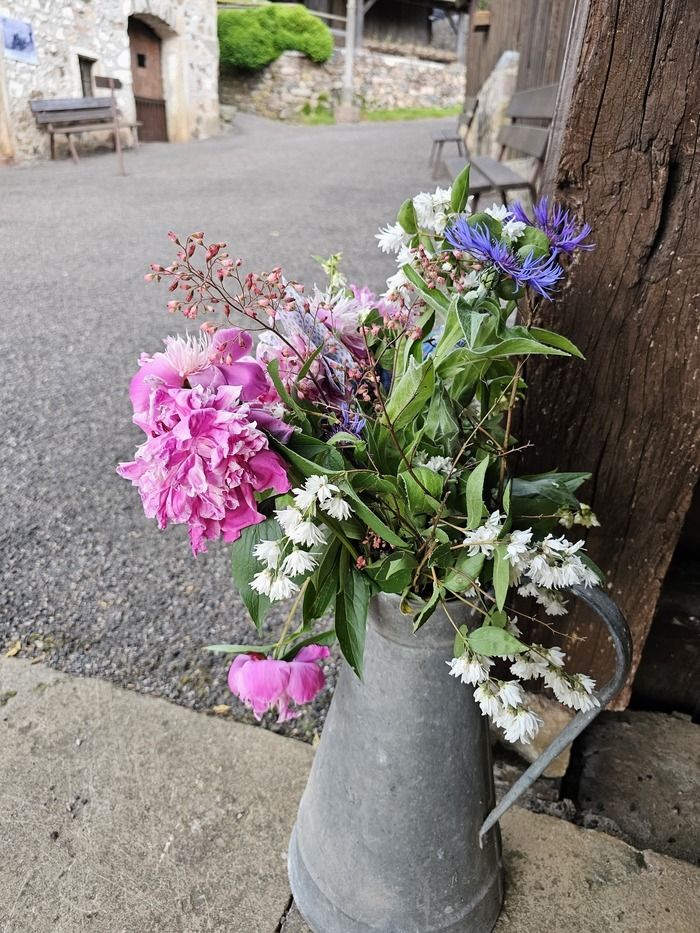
(550, 339)
(498, 618)
(351, 617)
(393, 574)
(461, 641)
(501, 578)
(432, 296)
(557, 488)
(407, 216)
(372, 520)
(308, 363)
(481, 219)
(367, 481)
(319, 638)
(475, 494)
(506, 497)
(511, 346)
(240, 649)
(323, 584)
(494, 642)
(428, 609)
(441, 421)
(532, 240)
(464, 573)
(245, 566)
(273, 369)
(327, 460)
(345, 439)
(410, 393)
(460, 190)
(423, 490)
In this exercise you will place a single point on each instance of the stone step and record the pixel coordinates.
(123, 813)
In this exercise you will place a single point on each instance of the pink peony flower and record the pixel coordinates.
(209, 362)
(203, 462)
(264, 683)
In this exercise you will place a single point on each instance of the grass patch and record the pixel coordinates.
(320, 114)
(317, 117)
(410, 113)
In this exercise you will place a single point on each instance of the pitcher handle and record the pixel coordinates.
(619, 632)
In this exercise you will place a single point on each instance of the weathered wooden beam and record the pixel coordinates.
(627, 160)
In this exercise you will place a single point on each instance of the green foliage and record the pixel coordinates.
(252, 39)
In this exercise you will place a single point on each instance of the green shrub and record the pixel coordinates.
(251, 39)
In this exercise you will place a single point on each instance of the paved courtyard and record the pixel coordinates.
(85, 581)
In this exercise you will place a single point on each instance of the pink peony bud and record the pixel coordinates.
(264, 683)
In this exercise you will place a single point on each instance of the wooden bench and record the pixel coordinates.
(68, 116)
(489, 174)
(458, 136)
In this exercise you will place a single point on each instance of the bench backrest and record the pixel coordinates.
(466, 117)
(72, 110)
(535, 104)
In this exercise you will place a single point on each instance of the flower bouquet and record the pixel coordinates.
(357, 452)
(363, 445)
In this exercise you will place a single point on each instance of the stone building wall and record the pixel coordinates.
(381, 82)
(97, 29)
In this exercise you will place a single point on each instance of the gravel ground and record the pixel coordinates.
(86, 582)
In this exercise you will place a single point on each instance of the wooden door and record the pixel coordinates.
(148, 81)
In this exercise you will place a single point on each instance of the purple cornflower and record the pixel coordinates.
(557, 223)
(540, 274)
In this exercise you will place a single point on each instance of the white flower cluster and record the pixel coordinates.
(285, 558)
(573, 690)
(432, 215)
(503, 701)
(511, 227)
(548, 565)
(436, 463)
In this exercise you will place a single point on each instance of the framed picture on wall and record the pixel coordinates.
(18, 40)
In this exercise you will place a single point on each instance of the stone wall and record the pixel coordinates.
(97, 29)
(381, 82)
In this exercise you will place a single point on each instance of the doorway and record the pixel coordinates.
(147, 79)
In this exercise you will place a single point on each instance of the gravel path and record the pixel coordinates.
(87, 583)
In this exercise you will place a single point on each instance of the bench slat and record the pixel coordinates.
(531, 140)
(500, 174)
(86, 127)
(73, 116)
(534, 104)
(69, 103)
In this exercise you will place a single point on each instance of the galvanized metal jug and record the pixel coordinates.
(396, 831)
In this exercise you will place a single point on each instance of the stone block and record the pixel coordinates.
(642, 772)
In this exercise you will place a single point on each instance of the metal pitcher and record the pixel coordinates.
(396, 831)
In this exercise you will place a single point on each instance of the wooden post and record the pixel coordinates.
(626, 159)
(7, 144)
(113, 84)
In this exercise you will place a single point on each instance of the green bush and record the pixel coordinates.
(251, 39)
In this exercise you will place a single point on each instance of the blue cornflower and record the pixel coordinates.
(540, 274)
(557, 223)
(351, 422)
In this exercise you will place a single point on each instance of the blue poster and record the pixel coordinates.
(18, 40)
